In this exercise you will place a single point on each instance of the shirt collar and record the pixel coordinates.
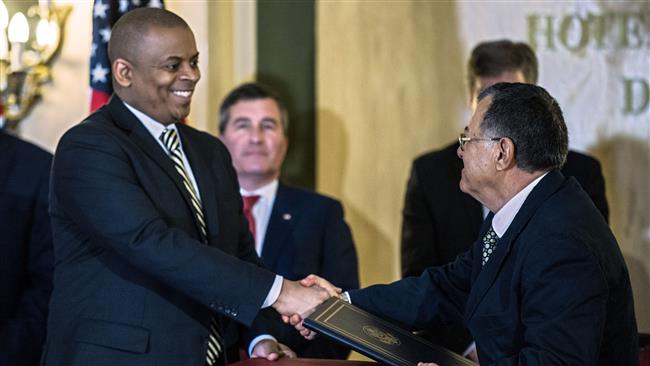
(266, 192)
(503, 218)
(154, 127)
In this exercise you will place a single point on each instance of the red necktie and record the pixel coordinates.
(249, 202)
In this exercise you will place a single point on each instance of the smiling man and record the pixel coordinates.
(297, 232)
(154, 263)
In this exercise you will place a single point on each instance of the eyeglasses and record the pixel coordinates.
(464, 139)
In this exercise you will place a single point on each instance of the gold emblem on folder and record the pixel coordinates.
(380, 335)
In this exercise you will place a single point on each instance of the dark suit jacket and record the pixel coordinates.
(26, 246)
(307, 234)
(440, 221)
(133, 284)
(555, 291)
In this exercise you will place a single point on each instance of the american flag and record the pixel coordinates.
(105, 14)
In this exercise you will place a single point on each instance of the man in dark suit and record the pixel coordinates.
(298, 232)
(154, 260)
(439, 220)
(26, 245)
(545, 283)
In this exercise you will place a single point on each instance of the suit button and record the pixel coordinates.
(234, 313)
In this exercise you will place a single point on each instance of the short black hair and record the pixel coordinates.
(250, 91)
(532, 119)
(128, 32)
(495, 57)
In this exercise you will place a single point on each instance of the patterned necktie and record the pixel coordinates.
(490, 241)
(169, 138)
(249, 202)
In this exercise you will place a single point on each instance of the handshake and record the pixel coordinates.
(299, 298)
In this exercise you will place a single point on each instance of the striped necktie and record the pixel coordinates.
(169, 138)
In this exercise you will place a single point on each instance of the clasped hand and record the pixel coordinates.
(298, 299)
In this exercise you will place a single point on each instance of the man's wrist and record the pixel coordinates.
(258, 339)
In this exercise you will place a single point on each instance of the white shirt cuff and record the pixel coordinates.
(346, 297)
(471, 348)
(257, 340)
(274, 293)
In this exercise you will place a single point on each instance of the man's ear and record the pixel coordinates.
(505, 154)
(122, 72)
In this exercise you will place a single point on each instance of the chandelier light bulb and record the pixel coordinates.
(43, 33)
(4, 16)
(18, 28)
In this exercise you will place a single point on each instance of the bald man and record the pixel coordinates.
(154, 260)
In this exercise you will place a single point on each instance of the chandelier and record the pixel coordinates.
(26, 56)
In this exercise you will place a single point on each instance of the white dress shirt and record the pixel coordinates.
(503, 218)
(262, 210)
(156, 129)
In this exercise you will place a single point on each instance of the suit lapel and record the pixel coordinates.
(487, 275)
(281, 222)
(202, 174)
(147, 143)
(484, 277)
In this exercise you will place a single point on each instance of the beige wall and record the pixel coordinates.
(380, 103)
(231, 51)
(379, 71)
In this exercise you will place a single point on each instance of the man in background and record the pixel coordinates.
(297, 232)
(154, 261)
(439, 220)
(26, 246)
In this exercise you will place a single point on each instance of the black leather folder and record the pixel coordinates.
(377, 338)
